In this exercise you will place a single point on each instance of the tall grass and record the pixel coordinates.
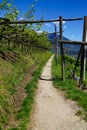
(24, 112)
(70, 87)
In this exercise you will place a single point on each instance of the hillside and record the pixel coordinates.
(51, 37)
(14, 77)
(21, 53)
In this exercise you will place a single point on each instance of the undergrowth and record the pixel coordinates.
(11, 75)
(69, 86)
(23, 115)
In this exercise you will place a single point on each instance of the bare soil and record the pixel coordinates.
(19, 96)
(51, 110)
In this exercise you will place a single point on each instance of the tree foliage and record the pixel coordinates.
(17, 39)
(12, 12)
(9, 10)
(23, 35)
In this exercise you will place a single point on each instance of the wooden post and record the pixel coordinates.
(56, 45)
(85, 46)
(85, 62)
(61, 48)
(77, 61)
(83, 53)
(82, 67)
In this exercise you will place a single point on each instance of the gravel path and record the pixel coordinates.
(51, 110)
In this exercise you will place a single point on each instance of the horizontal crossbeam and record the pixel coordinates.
(73, 42)
(37, 21)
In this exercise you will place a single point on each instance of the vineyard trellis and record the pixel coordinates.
(81, 53)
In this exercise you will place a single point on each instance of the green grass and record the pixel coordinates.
(79, 113)
(11, 75)
(69, 86)
(24, 112)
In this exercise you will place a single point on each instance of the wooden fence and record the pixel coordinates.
(61, 41)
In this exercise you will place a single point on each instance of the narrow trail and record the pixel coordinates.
(51, 110)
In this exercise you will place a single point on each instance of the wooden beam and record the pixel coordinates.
(72, 19)
(61, 48)
(36, 21)
(27, 22)
(73, 42)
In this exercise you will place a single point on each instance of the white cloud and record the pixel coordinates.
(65, 26)
(21, 18)
(72, 36)
(57, 23)
(47, 24)
(64, 22)
(39, 32)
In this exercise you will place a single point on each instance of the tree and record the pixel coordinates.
(9, 10)
(12, 13)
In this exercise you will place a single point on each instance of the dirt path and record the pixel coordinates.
(51, 110)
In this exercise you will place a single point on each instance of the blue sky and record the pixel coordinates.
(52, 9)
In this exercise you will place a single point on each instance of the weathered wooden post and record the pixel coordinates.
(85, 46)
(56, 45)
(83, 52)
(76, 64)
(61, 48)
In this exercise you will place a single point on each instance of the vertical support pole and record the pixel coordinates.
(56, 45)
(82, 67)
(77, 61)
(61, 48)
(85, 46)
(83, 54)
(84, 62)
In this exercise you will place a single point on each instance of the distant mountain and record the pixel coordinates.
(51, 37)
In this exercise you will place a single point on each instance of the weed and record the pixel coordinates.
(69, 86)
(79, 113)
(24, 112)
(11, 75)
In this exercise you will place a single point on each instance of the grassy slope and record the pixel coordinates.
(69, 86)
(11, 75)
(25, 110)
